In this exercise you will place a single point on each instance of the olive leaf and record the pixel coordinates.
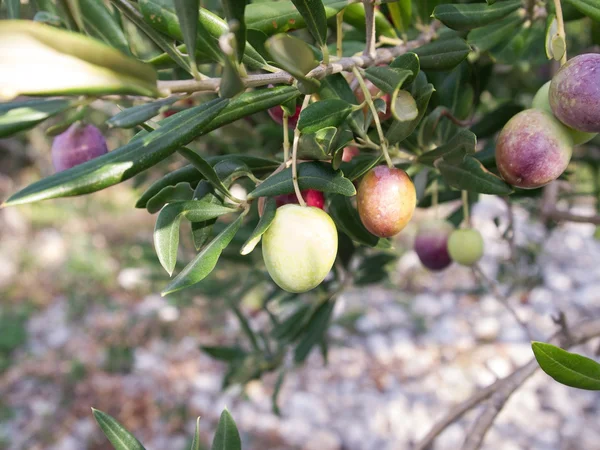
(313, 13)
(169, 194)
(119, 437)
(470, 175)
(263, 225)
(204, 263)
(227, 436)
(470, 16)
(567, 368)
(443, 54)
(23, 115)
(131, 117)
(324, 113)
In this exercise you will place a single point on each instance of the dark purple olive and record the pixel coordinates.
(78, 144)
(431, 244)
(575, 93)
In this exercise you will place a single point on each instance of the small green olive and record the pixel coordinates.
(300, 247)
(465, 246)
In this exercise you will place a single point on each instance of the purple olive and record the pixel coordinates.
(78, 144)
(431, 244)
(575, 93)
(533, 149)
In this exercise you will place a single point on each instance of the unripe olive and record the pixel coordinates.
(386, 200)
(350, 153)
(299, 248)
(542, 101)
(465, 246)
(575, 93)
(431, 244)
(78, 144)
(533, 149)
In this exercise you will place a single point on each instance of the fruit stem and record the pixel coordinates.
(435, 199)
(325, 51)
(286, 136)
(339, 20)
(295, 155)
(369, 101)
(465, 202)
(561, 28)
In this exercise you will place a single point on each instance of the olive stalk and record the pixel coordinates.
(465, 205)
(295, 155)
(339, 20)
(369, 101)
(286, 137)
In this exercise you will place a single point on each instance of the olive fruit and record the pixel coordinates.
(299, 247)
(465, 246)
(78, 144)
(276, 113)
(533, 149)
(386, 200)
(575, 93)
(542, 101)
(431, 244)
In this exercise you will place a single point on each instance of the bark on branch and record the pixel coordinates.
(498, 393)
(381, 56)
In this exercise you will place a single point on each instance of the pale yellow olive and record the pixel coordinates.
(299, 248)
(465, 246)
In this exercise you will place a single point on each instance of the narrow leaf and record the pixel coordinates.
(166, 230)
(315, 331)
(590, 8)
(347, 221)
(311, 175)
(196, 443)
(567, 368)
(204, 263)
(470, 175)
(263, 225)
(313, 13)
(387, 79)
(293, 55)
(99, 22)
(470, 16)
(227, 436)
(399, 131)
(119, 437)
(498, 33)
(443, 54)
(462, 144)
(401, 13)
(178, 193)
(205, 169)
(188, 12)
(234, 13)
(131, 117)
(322, 114)
(23, 115)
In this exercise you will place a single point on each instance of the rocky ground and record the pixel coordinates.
(418, 346)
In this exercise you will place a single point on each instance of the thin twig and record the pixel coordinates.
(382, 56)
(549, 210)
(501, 390)
(295, 155)
(370, 28)
(511, 229)
(561, 29)
(483, 279)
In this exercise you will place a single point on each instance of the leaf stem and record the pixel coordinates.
(561, 28)
(295, 156)
(286, 136)
(369, 101)
(435, 199)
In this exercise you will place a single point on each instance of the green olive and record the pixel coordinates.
(465, 246)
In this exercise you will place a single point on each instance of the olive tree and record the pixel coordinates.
(360, 111)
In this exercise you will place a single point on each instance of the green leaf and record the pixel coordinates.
(169, 194)
(166, 231)
(188, 12)
(456, 149)
(13, 9)
(163, 17)
(315, 331)
(311, 175)
(227, 436)
(23, 115)
(204, 263)
(387, 79)
(347, 221)
(399, 131)
(486, 38)
(407, 61)
(222, 353)
(470, 175)
(93, 67)
(234, 12)
(231, 80)
(404, 107)
(567, 368)
(324, 113)
(443, 54)
(189, 174)
(316, 146)
(336, 87)
(119, 437)
(551, 31)
(99, 22)
(354, 14)
(293, 55)
(360, 165)
(590, 8)
(470, 16)
(263, 225)
(282, 16)
(313, 13)
(401, 13)
(205, 169)
(196, 443)
(131, 117)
